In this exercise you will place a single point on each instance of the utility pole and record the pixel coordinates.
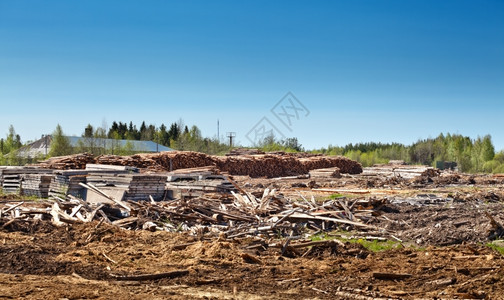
(218, 131)
(231, 135)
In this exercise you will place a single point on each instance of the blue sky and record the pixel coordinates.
(366, 70)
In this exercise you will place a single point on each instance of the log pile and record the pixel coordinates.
(164, 161)
(325, 173)
(345, 165)
(268, 165)
(36, 185)
(244, 151)
(283, 165)
(76, 161)
(259, 165)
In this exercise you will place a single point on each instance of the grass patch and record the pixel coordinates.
(338, 196)
(495, 247)
(378, 246)
(372, 245)
(322, 237)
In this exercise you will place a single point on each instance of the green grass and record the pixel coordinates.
(497, 248)
(378, 246)
(373, 245)
(338, 195)
(30, 198)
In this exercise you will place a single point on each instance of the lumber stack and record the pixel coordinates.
(11, 177)
(36, 185)
(109, 179)
(64, 184)
(404, 171)
(142, 187)
(11, 183)
(325, 173)
(136, 187)
(199, 187)
(111, 168)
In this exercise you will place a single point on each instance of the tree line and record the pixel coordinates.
(177, 136)
(471, 155)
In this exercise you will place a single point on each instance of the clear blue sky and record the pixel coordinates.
(366, 70)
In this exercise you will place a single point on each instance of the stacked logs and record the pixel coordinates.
(283, 165)
(345, 165)
(164, 161)
(267, 165)
(244, 151)
(76, 161)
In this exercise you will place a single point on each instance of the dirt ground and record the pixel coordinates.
(444, 229)
(42, 261)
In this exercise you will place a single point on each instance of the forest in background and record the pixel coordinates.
(471, 155)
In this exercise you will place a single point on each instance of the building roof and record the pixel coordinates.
(137, 146)
(43, 145)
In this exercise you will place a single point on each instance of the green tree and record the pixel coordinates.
(88, 131)
(487, 148)
(292, 143)
(60, 144)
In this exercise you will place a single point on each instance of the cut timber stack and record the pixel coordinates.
(76, 161)
(111, 168)
(11, 177)
(143, 186)
(268, 165)
(36, 185)
(163, 161)
(404, 171)
(198, 187)
(109, 179)
(11, 183)
(260, 165)
(194, 174)
(67, 183)
(345, 165)
(244, 151)
(137, 187)
(283, 165)
(174, 160)
(325, 173)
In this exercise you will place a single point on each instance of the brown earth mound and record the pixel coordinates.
(269, 165)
